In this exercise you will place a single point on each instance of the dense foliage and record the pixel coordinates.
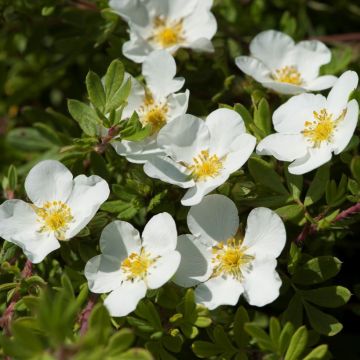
(52, 58)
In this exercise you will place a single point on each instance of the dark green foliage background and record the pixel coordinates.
(46, 49)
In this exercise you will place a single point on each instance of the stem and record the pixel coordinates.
(310, 229)
(7, 316)
(338, 37)
(85, 314)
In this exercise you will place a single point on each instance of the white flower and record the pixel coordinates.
(277, 63)
(310, 127)
(166, 24)
(221, 262)
(156, 105)
(128, 266)
(61, 207)
(201, 154)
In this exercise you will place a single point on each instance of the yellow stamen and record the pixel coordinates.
(55, 216)
(168, 34)
(288, 74)
(322, 128)
(230, 258)
(136, 266)
(205, 166)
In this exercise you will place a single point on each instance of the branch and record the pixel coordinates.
(7, 316)
(85, 314)
(338, 37)
(310, 229)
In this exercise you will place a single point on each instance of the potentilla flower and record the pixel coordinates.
(311, 127)
(61, 207)
(156, 104)
(280, 64)
(167, 25)
(129, 265)
(224, 263)
(201, 155)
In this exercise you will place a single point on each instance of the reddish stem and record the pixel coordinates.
(7, 316)
(310, 229)
(85, 314)
(338, 37)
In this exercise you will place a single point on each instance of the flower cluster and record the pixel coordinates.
(219, 258)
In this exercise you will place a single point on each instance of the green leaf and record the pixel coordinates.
(120, 341)
(275, 331)
(330, 296)
(321, 322)
(133, 130)
(119, 96)
(85, 116)
(147, 311)
(260, 336)
(285, 337)
(317, 270)
(244, 113)
(240, 336)
(95, 90)
(294, 184)
(206, 349)
(317, 186)
(289, 212)
(318, 353)
(297, 344)
(264, 174)
(28, 139)
(262, 116)
(114, 77)
(12, 177)
(294, 312)
(135, 354)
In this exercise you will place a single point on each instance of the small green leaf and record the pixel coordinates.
(206, 349)
(275, 331)
(297, 344)
(12, 177)
(264, 174)
(260, 336)
(330, 296)
(321, 322)
(240, 336)
(114, 77)
(120, 341)
(318, 353)
(285, 337)
(317, 186)
(294, 312)
(119, 97)
(289, 212)
(85, 116)
(317, 270)
(95, 90)
(294, 184)
(262, 116)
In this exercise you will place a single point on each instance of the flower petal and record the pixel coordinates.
(159, 69)
(346, 127)
(214, 219)
(88, 193)
(167, 170)
(178, 9)
(119, 239)
(124, 299)
(136, 97)
(218, 291)
(308, 56)
(284, 88)
(201, 44)
(225, 127)
(47, 181)
(270, 47)
(290, 117)
(103, 273)
(130, 10)
(195, 194)
(241, 148)
(265, 234)
(177, 104)
(160, 234)
(184, 137)
(163, 269)
(321, 83)
(339, 94)
(137, 48)
(262, 283)
(312, 160)
(283, 147)
(253, 67)
(195, 261)
(18, 224)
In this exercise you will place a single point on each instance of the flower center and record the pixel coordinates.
(137, 265)
(287, 74)
(205, 166)
(55, 216)
(230, 258)
(168, 34)
(322, 127)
